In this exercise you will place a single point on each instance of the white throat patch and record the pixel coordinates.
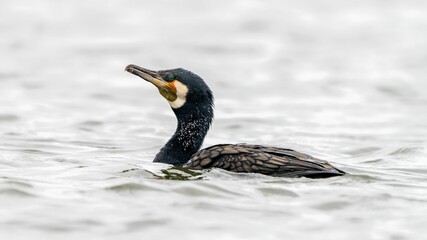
(181, 95)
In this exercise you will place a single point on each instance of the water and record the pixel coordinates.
(341, 81)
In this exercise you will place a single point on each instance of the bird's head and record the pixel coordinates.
(192, 102)
(181, 88)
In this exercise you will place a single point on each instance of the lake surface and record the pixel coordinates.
(345, 82)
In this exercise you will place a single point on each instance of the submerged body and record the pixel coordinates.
(192, 102)
(278, 162)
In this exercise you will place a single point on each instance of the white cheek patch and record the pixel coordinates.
(181, 94)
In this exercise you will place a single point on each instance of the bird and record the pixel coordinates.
(192, 102)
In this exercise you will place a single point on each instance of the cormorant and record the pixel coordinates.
(192, 102)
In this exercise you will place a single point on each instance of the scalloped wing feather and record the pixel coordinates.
(272, 161)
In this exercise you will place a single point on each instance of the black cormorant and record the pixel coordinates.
(192, 102)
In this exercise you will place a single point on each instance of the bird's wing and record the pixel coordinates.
(260, 159)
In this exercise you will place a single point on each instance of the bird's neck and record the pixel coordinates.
(188, 138)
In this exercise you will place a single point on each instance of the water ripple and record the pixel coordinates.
(13, 192)
(269, 191)
(132, 188)
(8, 118)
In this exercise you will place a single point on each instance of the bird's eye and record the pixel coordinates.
(170, 77)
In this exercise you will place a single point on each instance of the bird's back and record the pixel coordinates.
(273, 161)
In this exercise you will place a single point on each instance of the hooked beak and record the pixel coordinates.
(165, 89)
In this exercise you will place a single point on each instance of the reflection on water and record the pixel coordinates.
(173, 173)
(338, 80)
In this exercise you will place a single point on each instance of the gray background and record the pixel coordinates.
(340, 80)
